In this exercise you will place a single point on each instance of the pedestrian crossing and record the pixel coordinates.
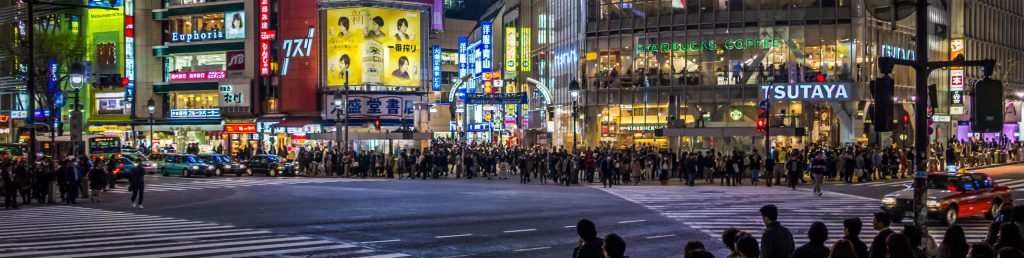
(798, 209)
(214, 183)
(69, 231)
(1013, 184)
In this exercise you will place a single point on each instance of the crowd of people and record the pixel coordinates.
(1005, 240)
(69, 180)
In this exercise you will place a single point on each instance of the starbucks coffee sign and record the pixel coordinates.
(807, 91)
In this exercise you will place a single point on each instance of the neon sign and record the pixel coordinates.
(898, 53)
(436, 82)
(196, 36)
(808, 91)
(486, 51)
(264, 46)
(707, 45)
(299, 47)
(129, 51)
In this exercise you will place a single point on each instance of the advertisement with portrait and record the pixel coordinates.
(376, 46)
(105, 29)
(234, 25)
(299, 52)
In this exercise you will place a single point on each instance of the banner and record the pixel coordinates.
(383, 106)
(376, 46)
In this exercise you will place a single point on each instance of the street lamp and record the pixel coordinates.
(574, 92)
(151, 107)
(337, 113)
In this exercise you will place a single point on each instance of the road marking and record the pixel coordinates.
(570, 226)
(661, 236)
(381, 241)
(532, 249)
(521, 230)
(451, 236)
(386, 256)
(631, 221)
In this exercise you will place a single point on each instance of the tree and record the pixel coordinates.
(51, 43)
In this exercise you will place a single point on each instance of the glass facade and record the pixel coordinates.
(652, 63)
(197, 62)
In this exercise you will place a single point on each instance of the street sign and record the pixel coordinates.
(497, 98)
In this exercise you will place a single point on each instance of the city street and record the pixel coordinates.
(259, 216)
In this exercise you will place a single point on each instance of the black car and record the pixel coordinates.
(271, 165)
(222, 164)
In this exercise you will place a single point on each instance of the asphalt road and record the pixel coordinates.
(260, 216)
(420, 218)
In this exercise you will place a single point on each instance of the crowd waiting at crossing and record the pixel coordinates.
(1005, 240)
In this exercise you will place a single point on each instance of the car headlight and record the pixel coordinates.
(933, 203)
(241, 166)
(280, 168)
(227, 166)
(195, 167)
(888, 200)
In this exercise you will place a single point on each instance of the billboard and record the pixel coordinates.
(376, 46)
(383, 106)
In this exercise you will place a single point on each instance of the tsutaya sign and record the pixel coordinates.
(707, 45)
(807, 91)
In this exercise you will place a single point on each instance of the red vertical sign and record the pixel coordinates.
(264, 47)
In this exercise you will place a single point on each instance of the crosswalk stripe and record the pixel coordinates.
(146, 237)
(289, 251)
(200, 246)
(69, 231)
(205, 183)
(102, 228)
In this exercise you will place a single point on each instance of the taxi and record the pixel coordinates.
(951, 196)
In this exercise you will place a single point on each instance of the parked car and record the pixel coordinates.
(950, 197)
(271, 165)
(139, 159)
(185, 165)
(222, 164)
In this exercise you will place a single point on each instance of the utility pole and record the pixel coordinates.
(346, 111)
(30, 119)
(923, 68)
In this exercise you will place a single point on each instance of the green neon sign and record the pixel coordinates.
(707, 45)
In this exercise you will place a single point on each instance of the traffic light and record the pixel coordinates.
(987, 106)
(376, 124)
(906, 121)
(762, 124)
(882, 90)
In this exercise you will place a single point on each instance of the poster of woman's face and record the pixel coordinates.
(234, 25)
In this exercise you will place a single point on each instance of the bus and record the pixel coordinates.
(93, 145)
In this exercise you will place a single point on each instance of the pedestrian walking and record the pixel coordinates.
(137, 185)
(97, 181)
(10, 187)
(818, 172)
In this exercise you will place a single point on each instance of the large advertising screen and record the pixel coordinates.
(376, 46)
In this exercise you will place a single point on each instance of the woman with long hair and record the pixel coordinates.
(981, 250)
(954, 243)
(1009, 236)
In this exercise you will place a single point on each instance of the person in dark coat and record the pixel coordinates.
(73, 180)
(10, 188)
(851, 232)
(881, 223)
(23, 177)
(777, 240)
(97, 180)
(589, 245)
(137, 185)
(815, 247)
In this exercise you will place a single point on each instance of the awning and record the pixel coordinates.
(297, 122)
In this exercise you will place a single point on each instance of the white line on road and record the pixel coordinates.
(569, 226)
(661, 236)
(631, 221)
(451, 236)
(381, 241)
(520, 230)
(532, 249)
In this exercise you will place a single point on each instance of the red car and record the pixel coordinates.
(951, 196)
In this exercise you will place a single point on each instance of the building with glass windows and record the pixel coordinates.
(692, 74)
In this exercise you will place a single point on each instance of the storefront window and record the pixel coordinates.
(197, 62)
(173, 3)
(193, 100)
(112, 103)
(205, 27)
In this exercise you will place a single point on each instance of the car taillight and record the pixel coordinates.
(951, 188)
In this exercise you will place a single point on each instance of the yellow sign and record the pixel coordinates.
(376, 46)
(525, 52)
(104, 128)
(510, 48)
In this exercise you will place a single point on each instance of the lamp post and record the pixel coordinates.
(346, 105)
(337, 113)
(575, 93)
(151, 107)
